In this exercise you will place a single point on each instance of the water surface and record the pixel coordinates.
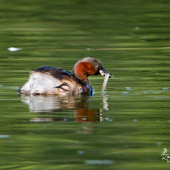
(127, 127)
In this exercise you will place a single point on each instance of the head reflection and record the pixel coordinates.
(55, 108)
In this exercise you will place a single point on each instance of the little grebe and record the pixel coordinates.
(50, 80)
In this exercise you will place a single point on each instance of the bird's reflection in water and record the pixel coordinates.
(55, 108)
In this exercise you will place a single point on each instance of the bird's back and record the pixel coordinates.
(50, 80)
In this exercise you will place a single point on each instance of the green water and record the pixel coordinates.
(128, 126)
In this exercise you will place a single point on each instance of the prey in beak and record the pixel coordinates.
(106, 75)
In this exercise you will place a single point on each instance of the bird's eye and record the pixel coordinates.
(98, 67)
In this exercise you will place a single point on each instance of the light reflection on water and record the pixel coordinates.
(53, 107)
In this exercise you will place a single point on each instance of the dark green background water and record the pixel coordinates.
(126, 128)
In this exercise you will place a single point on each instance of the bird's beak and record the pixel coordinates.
(103, 72)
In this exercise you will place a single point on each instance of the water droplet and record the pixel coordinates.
(165, 88)
(128, 88)
(80, 152)
(99, 162)
(125, 92)
(159, 144)
(13, 49)
(135, 120)
(4, 136)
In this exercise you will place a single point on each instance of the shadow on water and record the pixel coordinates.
(55, 108)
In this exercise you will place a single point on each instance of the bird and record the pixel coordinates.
(49, 80)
